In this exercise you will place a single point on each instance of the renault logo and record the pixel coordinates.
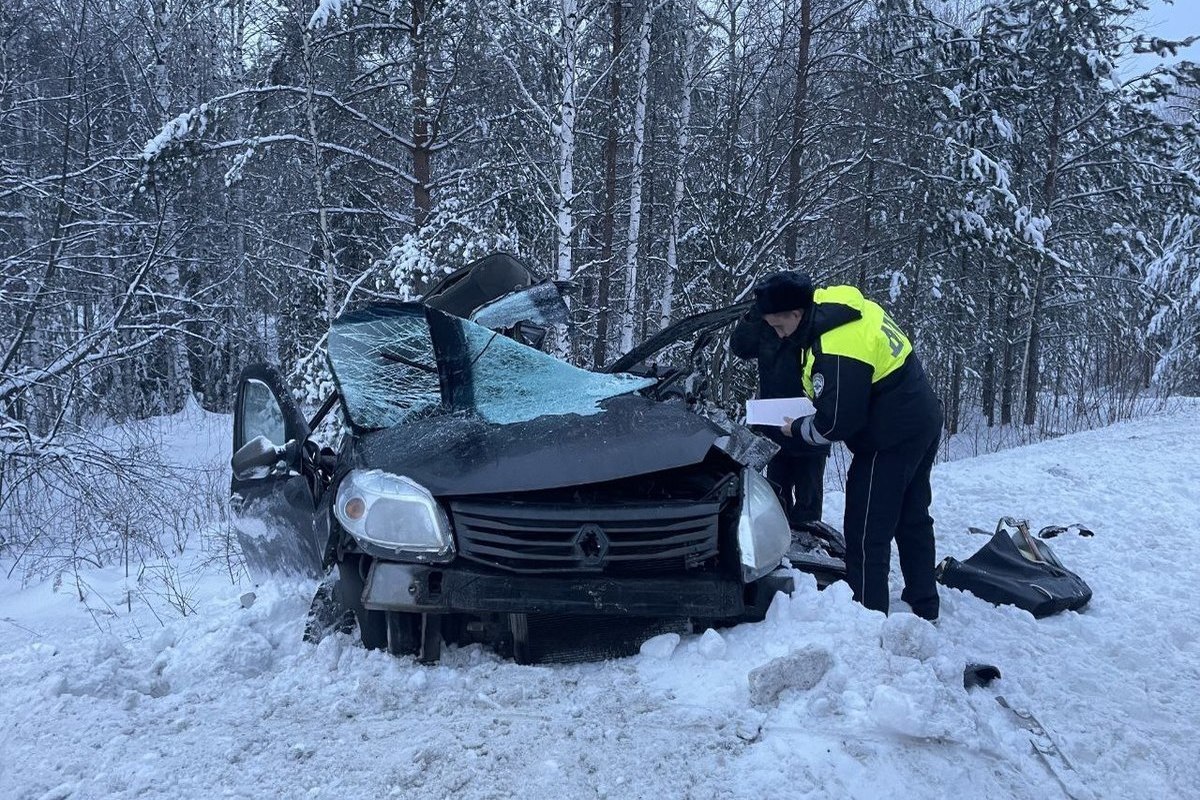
(591, 544)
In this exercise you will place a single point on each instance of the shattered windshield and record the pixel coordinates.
(395, 362)
(383, 360)
(510, 382)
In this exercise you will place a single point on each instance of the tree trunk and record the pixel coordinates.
(630, 312)
(988, 390)
(666, 306)
(799, 123)
(1033, 349)
(422, 154)
(865, 248)
(1008, 367)
(162, 86)
(318, 171)
(564, 213)
(608, 222)
(956, 381)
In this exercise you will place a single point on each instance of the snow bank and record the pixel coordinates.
(229, 702)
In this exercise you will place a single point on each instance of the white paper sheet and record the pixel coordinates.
(772, 412)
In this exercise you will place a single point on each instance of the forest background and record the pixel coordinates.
(188, 186)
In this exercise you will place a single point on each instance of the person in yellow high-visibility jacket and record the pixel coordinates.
(870, 391)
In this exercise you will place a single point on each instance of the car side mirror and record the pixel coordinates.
(260, 458)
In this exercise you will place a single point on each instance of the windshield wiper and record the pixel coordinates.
(396, 358)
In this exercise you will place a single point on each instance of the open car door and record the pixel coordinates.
(699, 328)
(273, 490)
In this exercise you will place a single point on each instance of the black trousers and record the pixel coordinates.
(888, 497)
(800, 483)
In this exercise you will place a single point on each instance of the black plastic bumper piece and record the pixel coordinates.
(421, 588)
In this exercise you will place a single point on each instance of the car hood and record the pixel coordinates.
(463, 454)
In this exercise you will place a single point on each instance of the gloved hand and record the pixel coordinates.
(804, 429)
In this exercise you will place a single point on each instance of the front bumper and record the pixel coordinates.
(391, 586)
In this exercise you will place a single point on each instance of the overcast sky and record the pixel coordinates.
(1176, 20)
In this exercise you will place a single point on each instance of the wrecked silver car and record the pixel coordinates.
(485, 491)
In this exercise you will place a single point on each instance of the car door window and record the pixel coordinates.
(261, 414)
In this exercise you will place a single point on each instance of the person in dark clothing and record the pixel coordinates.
(798, 469)
(871, 392)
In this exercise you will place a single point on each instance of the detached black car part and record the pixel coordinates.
(487, 491)
(1016, 569)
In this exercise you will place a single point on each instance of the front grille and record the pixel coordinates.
(642, 538)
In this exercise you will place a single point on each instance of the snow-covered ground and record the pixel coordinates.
(119, 698)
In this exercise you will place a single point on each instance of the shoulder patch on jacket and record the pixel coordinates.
(818, 384)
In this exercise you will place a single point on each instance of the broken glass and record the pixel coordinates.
(383, 360)
(541, 303)
(386, 362)
(509, 382)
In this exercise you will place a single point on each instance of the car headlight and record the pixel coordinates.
(395, 513)
(764, 534)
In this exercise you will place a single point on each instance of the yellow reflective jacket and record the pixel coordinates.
(860, 371)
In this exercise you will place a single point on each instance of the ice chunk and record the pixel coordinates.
(712, 645)
(909, 635)
(801, 669)
(660, 647)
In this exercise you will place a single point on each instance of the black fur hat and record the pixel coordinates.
(783, 291)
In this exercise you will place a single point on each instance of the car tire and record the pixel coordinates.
(372, 625)
(327, 613)
(403, 633)
(372, 629)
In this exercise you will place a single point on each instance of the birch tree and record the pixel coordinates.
(631, 310)
(682, 148)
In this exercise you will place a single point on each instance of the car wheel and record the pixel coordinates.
(518, 626)
(327, 613)
(372, 629)
(403, 633)
(372, 625)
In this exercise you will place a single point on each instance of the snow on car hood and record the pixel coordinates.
(395, 363)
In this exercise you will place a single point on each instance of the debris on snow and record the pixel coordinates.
(660, 647)
(802, 669)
